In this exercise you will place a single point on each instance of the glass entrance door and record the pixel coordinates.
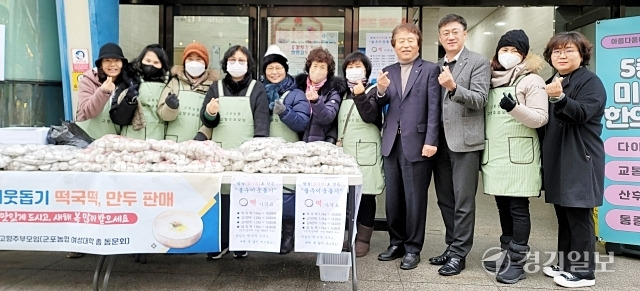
(218, 28)
(297, 30)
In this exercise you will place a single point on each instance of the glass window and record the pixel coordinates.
(31, 40)
(139, 27)
(485, 26)
(217, 33)
(297, 36)
(376, 25)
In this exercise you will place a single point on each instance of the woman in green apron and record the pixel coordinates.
(135, 109)
(359, 135)
(180, 101)
(237, 109)
(511, 168)
(290, 117)
(95, 90)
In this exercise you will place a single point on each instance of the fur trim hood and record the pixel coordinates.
(533, 63)
(336, 82)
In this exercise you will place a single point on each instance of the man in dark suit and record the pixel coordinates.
(465, 85)
(409, 139)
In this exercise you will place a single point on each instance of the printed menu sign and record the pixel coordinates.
(255, 219)
(321, 204)
(380, 52)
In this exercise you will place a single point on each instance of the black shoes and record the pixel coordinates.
(410, 261)
(452, 267)
(392, 253)
(441, 259)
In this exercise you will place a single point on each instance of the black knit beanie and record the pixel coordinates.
(515, 38)
(274, 54)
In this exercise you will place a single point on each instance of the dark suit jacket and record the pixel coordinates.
(416, 113)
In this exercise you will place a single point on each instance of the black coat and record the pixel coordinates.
(572, 149)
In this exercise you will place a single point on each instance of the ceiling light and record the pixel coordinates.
(501, 23)
(488, 32)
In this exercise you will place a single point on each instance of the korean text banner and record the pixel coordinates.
(110, 213)
(618, 65)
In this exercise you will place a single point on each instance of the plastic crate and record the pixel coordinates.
(334, 267)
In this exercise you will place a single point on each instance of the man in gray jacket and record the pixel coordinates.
(465, 81)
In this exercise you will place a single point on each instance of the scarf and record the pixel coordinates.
(351, 84)
(317, 86)
(501, 78)
(236, 87)
(275, 90)
(196, 81)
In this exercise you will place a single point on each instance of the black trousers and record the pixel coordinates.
(406, 202)
(515, 219)
(367, 210)
(455, 176)
(576, 241)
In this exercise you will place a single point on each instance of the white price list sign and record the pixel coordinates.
(255, 221)
(380, 52)
(321, 204)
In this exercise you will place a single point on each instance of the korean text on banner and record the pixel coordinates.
(110, 213)
(255, 220)
(321, 204)
(618, 66)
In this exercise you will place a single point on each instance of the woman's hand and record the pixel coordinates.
(554, 89)
(108, 86)
(312, 95)
(213, 106)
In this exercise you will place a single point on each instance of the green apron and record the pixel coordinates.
(186, 125)
(149, 93)
(100, 125)
(236, 119)
(511, 157)
(277, 128)
(363, 141)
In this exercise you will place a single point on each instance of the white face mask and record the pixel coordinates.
(509, 60)
(194, 69)
(355, 74)
(236, 69)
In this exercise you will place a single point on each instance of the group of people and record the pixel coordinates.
(464, 115)
(454, 118)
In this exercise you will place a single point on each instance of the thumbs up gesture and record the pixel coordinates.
(554, 89)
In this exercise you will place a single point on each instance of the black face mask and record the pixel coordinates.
(151, 71)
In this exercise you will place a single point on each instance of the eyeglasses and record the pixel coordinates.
(454, 32)
(567, 52)
(232, 61)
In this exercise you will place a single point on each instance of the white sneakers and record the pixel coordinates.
(552, 271)
(566, 279)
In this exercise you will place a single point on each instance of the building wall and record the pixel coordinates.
(537, 23)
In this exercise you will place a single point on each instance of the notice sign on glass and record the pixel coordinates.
(380, 52)
(321, 204)
(255, 220)
(296, 45)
